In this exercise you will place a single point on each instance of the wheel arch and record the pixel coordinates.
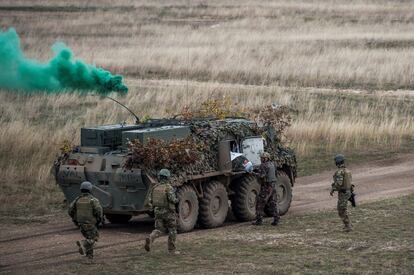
(199, 183)
(290, 171)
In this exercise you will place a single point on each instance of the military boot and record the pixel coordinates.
(348, 227)
(147, 244)
(275, 221)
(258, 221)
(81, 247)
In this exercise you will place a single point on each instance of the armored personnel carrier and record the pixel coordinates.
(206, 194)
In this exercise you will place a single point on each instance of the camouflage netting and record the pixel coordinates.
(177, 155)
(198, 153)
(194, 155)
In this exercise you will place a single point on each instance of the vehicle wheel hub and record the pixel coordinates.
(185, 209)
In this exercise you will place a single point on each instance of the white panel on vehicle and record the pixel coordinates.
(252, 148)
(234, 155)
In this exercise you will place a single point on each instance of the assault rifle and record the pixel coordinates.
(352, 197)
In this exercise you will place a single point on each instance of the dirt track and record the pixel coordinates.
(41, 248)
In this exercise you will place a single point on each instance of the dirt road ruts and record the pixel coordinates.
(41, 248)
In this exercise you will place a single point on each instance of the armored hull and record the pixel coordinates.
(205, 195)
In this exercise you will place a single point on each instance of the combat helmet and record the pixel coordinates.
(164, 174)
(339, 159)
(265, 155)
(86, 186)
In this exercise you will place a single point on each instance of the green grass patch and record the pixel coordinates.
(382, 242)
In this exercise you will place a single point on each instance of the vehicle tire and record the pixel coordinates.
(214, 205)
(118, 218)
(244, 201)
(187, 208)
(284, 192)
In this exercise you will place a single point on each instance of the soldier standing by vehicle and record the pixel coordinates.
(86, 212)
(164, 201)
(342, 182)
(268, 193)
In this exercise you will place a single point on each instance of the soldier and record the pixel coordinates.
(164, 201)
(268, 194)
(86, 212)
(342, 182)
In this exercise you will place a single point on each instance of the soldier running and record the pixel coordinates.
(164, 200)
(268, 194)
(342, 182)
(86, 213)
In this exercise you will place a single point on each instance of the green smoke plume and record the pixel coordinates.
(62, 73)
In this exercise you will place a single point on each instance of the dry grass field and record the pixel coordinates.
(335, 43)
(344, 67)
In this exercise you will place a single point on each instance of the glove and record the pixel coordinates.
(101, 222)
(99, 219)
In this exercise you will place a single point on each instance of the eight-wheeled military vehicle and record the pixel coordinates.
(205, 198)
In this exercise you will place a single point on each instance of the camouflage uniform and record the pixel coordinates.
(164, 199)
(86, 212)
(342, 182)
(268, 192)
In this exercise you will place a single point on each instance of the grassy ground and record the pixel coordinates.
(381, 243)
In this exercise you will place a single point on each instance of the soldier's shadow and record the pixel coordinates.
(140, 224)
(144, 224)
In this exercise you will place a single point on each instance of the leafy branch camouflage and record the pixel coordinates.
(276, 116)
(198, 153)
(219, 108)
(157, 154)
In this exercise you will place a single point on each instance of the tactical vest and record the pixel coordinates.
(347, 179)
(84, 210)
(271, 172)
(159, 196)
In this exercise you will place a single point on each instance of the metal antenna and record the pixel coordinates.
(116, 101)
(188, 48)
(188, 64)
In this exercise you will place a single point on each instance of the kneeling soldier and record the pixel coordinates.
(86, 212)
(164, 200)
